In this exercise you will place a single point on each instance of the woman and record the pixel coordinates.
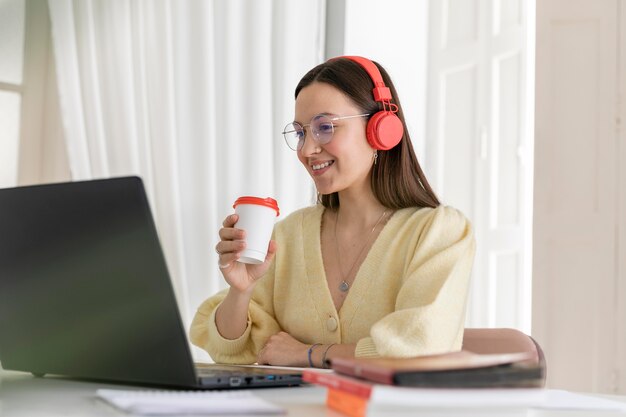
(377, 268)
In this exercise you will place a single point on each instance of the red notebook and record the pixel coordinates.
(335, 381)
(347, 395)
(346, 403)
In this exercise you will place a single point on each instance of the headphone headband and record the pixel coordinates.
(381, 91)
(384, 129)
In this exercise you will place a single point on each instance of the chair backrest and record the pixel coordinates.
(503, 340)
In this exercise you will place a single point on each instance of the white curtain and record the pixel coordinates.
(191, 96)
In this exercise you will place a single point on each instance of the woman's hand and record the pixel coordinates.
(239, 276)
(284, 350)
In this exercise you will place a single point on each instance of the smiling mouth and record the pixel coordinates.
(322, 165)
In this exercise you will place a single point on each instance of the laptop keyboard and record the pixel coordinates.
(225, 370)
(243, 376)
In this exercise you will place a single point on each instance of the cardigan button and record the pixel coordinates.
(331, 324)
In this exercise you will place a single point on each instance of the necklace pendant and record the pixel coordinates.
(344, 286)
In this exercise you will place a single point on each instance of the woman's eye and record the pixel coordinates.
(326, 127)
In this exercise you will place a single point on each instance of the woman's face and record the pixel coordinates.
(346, 160)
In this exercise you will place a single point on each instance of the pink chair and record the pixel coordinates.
(503, 340)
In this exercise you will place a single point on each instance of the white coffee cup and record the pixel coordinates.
(256, 216)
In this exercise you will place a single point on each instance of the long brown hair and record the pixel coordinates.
(397, 178)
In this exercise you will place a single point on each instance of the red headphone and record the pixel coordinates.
(384, 128)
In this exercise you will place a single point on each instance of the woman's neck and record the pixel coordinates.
(359, 210)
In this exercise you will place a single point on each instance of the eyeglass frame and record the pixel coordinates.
(331, 118)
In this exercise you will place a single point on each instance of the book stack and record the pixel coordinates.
(361, 385)
(346, 395)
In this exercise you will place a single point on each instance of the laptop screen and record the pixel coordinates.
(84, 288)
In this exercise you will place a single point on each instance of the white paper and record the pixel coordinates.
(458, 398)
(564, 400)
(387, 397)
(188, 402)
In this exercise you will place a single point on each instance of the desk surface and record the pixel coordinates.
(22, 395)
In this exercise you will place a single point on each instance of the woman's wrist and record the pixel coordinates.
(231, 317)
(317, 355)
(322, 355)
(239, 295)
(325, 358)
(309, 354)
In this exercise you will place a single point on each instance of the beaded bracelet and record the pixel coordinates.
(324, 363)
(313, 346)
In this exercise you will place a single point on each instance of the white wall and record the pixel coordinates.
(579, 251)
(396, 37)
(42, 154)
(478, 145)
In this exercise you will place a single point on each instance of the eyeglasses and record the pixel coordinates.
(321, 126)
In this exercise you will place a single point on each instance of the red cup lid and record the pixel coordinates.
(266, 202)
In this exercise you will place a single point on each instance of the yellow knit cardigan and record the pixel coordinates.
(408, 298)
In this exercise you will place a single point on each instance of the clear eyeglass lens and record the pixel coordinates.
(322, 128)
(294, 136)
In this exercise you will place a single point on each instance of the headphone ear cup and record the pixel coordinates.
(384, 130)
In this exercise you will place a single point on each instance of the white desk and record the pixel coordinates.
(22, 395)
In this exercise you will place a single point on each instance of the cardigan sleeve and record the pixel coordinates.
(261, 325)
(430, 305)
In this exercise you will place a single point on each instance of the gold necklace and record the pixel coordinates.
(344, 286)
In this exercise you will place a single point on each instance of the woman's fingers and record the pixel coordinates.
(228, 246)
(229, 233)
(231, 239)
(226, 260)
(271, 250)
(230, 220)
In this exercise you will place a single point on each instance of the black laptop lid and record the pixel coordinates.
(84, 288)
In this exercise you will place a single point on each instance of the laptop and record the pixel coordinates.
(85, 291)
